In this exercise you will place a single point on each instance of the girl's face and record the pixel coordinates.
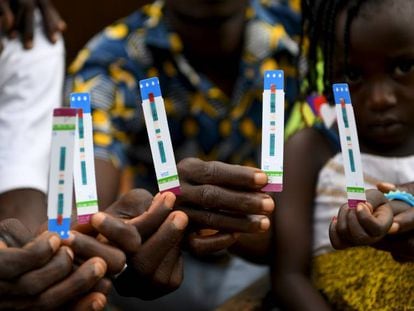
(381, 76)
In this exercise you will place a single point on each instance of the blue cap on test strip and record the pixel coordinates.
(81, 100)
(341, 91)
(148, 86)
(275, 77)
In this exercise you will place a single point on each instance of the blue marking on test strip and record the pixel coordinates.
(345, 116)
(341, 92)
(82, 101)
(147, 86)
(81, 128)
(61, 229)
(60, 204)
(272, 145)
(272, 103)
(83, 173)
(351, 160)
(154, 111)
(162, 152)
(275, 77)
(62, 158)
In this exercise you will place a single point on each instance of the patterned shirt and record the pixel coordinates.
(203, 121)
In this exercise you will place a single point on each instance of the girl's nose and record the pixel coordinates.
(381, 94)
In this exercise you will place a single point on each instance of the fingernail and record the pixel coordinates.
(54, 242)
(3, 244)
(268, 204)
(389, 186)
(28, 44)
(98, 218)
(264, 224)
(334, 219)
(169, 199)
(179, 221)
(54, 37)
(394, 228)
(98, 305)
(70, 252)
(360, 207)
(260, 179)
(99, 268)
(156, 196)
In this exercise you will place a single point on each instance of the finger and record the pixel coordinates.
(164, 271)
(6, 17)
(342, 224)
(14, 233)
(150, 221)
(203, 245)
(131, 204)
(226, 222)
(78, 283)
(153, 251)
(385, 187)
(217, 198)
(117, 232)
(407, 187)
(375, 197)
(217, 173)
(86, 247)
(177, 274)
(357, 234)
(94, 301)
(3, 245)
(52, 22)
(34, 282)
(28, 25)
(103, 286)
(32, 256)
(405, 221)
(378, 223)
(336, 240)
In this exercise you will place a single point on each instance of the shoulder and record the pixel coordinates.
(310, 147)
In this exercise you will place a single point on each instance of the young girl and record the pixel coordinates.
(370, 45)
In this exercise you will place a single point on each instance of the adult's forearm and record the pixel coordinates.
(27, 205)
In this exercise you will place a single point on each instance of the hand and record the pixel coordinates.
(223, 197)
(155, 268)
(37, 274)
(20, 19)
(365, 225)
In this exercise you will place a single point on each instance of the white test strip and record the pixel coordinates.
(159, 136)
(84, 165)
(273, 118)
(59, 203)
(351, 154)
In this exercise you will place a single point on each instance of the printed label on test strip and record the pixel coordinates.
(273, 129)
(84, 165)
(59, 201)
(351, 154)
(159, 136)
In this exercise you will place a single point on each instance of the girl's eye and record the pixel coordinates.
(404, 67)
(353, 75)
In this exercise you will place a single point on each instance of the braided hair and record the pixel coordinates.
(318, 26)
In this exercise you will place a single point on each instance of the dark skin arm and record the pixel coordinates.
(306, 152)
(17, 17)
(27, 205)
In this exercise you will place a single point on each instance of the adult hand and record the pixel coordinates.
(365, 225)
(17, 17)
(37, 274)
(223, 197)
(155, 268)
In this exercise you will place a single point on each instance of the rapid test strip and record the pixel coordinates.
(351, 154)
(84, 165)
(59, 201)
(273, 129)
(159, 136)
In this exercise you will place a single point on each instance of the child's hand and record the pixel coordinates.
(365, 225)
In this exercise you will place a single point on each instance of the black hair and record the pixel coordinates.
(318, 27)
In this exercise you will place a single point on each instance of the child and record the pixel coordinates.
(370, 45)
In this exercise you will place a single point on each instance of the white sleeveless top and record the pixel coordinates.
(331, 194)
